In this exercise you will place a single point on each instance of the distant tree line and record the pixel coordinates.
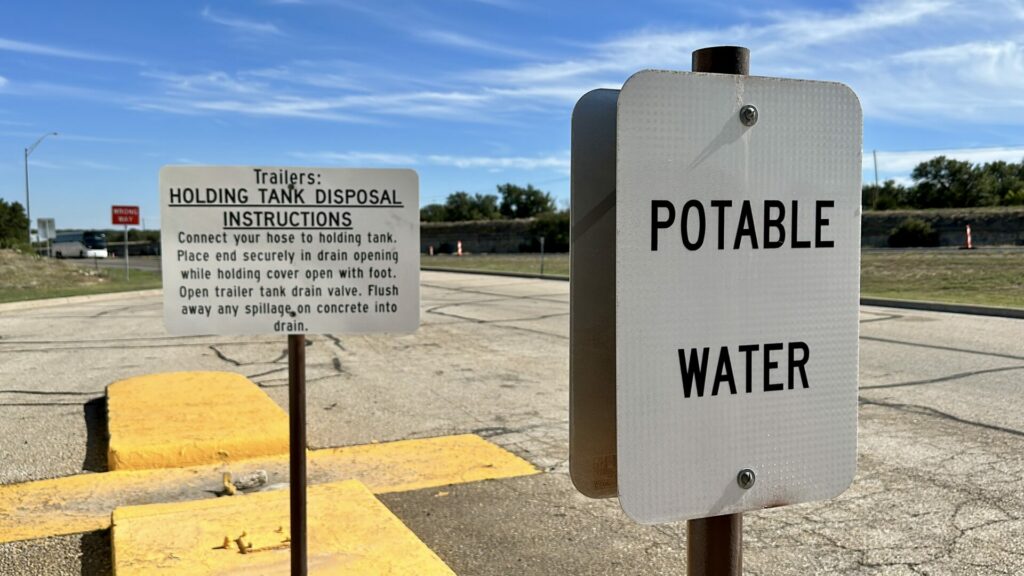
(512, 201)
(946, 183)
(134, 235)
(13, 225)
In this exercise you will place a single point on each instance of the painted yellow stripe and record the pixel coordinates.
(190, 418)
(350, 532)
(84, 502)
(424, 463)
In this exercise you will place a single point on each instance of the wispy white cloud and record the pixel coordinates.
(3, 82)
(970, 82)
(911, 61)
(360, 158)
(9, 45)
(240, 24)
(94, 165)
(905, 161)
(458, 40)
(816, 28)
(556, 162)
(785, 41)
(282, 107)
(37, 163)
(73, 164)
(65, 135)
(209, 83)
(966, 63)
(250, 93)
(287, 106)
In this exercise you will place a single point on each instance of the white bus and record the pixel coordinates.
(87, 244)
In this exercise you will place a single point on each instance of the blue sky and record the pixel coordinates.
(470, 93)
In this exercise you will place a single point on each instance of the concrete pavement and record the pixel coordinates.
(941, 452)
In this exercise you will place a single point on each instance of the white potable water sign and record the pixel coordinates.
(265, 250)
(737, 287)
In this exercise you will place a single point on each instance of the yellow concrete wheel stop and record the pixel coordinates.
(180, 419)
(83, 502)
(350, 532)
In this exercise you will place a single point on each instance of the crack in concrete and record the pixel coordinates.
(337, 342)
(499, 296)
(501, 323)
(223, 357)
(883, 317)
(267, 373)
(945, 348)
(945, 378)
(929, 411)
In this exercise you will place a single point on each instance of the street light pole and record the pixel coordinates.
(28, 206)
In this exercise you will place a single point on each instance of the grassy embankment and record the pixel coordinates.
(987, 276)
(26, 277)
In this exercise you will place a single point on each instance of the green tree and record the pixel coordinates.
(888, 196)
(1001, 182)
(13, 225)
(1015, 198)
(554, 228)
(946, 183)
(462, 206)
(433, 213)
(519, 202)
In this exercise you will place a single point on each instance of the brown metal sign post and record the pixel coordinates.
(715, 545)
(297, 450)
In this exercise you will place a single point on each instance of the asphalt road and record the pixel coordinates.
(939, 487)
(150, 263)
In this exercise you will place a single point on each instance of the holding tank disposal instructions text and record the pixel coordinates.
(265, 250)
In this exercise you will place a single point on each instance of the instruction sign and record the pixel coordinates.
(266, 250)
(737, 285)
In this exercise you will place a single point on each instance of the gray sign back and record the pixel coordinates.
(592, 441)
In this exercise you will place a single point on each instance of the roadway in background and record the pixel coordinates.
(941, 441)
(149, 263)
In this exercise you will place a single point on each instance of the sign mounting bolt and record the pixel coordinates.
(746, 476)
(748, 115)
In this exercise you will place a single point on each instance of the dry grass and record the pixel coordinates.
(987, 276)
(27, 277)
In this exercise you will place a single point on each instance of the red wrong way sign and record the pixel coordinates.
(128, 215)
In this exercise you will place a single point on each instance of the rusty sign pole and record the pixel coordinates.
(715, 545)
(297, 450)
